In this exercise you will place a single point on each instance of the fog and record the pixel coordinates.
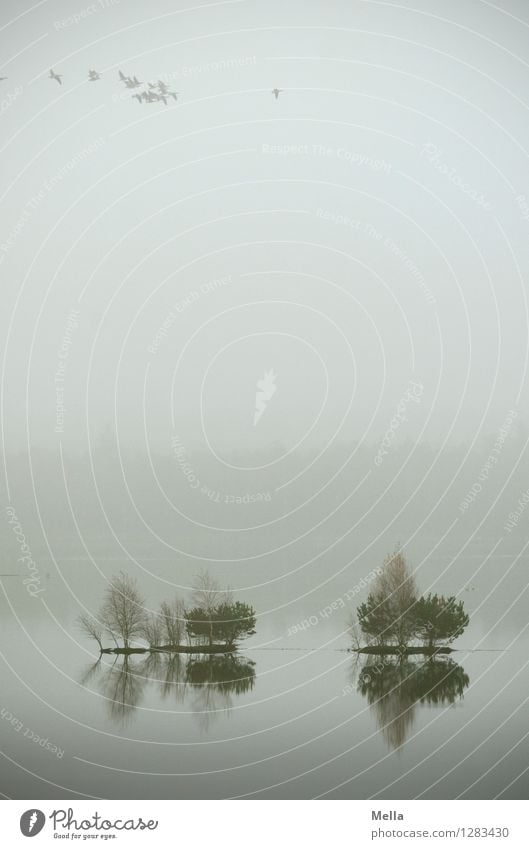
(272, 326)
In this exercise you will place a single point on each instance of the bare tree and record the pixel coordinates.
(92, 628)
(207, 595)
(354, 631)
(207, 592)
(152, 630)
(123, 611)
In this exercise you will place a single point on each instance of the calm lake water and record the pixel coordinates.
(291, 717)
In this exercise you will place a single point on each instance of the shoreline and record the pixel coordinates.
(212, 649)
(404, 650)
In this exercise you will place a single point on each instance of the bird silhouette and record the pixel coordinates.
(276, 92)
(138, 97)
(93, 76)
(130, 82)
(53, 76)
(2, 79)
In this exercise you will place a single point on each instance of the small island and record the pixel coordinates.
(394, 618)
(212, 625)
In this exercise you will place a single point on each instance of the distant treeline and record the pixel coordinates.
(434, 499)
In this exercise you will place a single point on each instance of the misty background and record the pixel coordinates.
(363, 235)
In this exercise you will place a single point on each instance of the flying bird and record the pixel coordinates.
(154, 97)
(276, 92)
(93, 76)
(138, 97)
(2, 79)
(53, 76)
(132, 82)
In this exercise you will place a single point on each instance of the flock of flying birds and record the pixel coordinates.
(154, 93)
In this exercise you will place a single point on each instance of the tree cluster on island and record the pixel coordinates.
(214, 622)
(394, 615)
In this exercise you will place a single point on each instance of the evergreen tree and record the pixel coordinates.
(226, 623)
(439, 619)
(233, 622)
(376, 619)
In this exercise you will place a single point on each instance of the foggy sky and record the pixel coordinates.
(309, 207)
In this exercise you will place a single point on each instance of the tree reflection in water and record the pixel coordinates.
(210, 681)
(214, 681)
(394, 688)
